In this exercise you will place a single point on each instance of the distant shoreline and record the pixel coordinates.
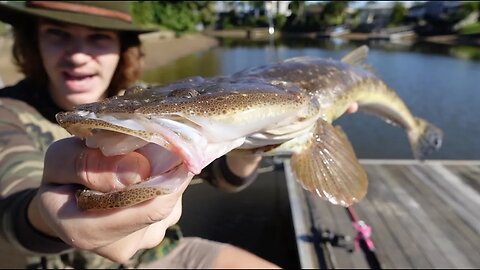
(164, 47)
(261, 33)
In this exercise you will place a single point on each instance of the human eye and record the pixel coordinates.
(101, 38)
(56, 33)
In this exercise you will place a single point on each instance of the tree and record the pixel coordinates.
(179, 16)
(207, 13)
(296, 20)
(334, 12)
(398, 14)
(143, 12)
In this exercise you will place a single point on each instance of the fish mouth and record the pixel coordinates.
(170, 144)
(167, 168)
(117, 134)
(167, 174)
(172, 154)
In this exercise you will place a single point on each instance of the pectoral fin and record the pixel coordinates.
(327, 165)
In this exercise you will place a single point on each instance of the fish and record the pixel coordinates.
(282, 108)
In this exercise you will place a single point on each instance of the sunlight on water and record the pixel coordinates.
(437, 82)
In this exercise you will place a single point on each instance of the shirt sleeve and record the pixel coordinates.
(219, 175)
(21, 168)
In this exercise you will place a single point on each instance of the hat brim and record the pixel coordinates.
(11, 12)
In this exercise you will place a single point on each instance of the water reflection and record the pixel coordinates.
(438, 82)
(467, 52)
(199, 64)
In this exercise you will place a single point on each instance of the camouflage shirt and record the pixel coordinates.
(27, 128)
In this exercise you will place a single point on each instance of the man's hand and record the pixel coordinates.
(353, 108)
(116, 234)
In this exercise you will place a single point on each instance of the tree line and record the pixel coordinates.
(191, 16)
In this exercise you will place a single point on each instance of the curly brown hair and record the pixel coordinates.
(27, 57)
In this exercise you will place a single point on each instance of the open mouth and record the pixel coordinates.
(79, 82)
(162, 161)
(176, 150)
(168, 172)
(75, 76)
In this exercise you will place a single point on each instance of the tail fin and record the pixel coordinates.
(425, 139)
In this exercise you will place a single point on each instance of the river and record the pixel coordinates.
(437, 82)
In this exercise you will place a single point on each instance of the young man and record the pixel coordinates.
(74, 53)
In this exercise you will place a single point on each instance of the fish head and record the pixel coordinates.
(195, 120)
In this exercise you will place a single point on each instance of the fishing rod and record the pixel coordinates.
(363, 238)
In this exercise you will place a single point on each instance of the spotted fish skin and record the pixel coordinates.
(88, 200)
(335, 84)
(284, 107)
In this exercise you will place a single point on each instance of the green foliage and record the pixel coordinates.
(331, 13)
(230, 20)
(297, 7)
(250, 21)
(471, 29)
(179, 16)
(262, 21)
(398, 14)
(279, 21)
(143, 12)
(469, 7)
(296, 20)
(354, 19)
(207, 13)
(334, 12)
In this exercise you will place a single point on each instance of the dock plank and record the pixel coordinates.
(450, 195)
(444, 216)
(422, 259)
(301, 221)
(423, 215)
(469, 174)
(435, 245)
(395, 218)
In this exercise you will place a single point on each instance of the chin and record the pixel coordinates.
(82, 98)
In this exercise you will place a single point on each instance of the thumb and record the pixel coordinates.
(69, 161)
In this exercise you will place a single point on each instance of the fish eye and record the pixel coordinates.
(186, 93)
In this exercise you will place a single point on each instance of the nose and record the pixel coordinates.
(77, 52)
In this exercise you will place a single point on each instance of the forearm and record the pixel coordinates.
(21, 169)
(243, 165)
(17, 229)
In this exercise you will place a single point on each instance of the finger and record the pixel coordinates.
(353, 108)
(69, 161)
(149, 237)
(58, 208)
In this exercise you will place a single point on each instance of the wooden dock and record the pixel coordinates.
(422, 215)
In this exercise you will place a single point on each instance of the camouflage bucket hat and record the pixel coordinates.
(111, 15)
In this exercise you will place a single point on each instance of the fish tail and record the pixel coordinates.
(425, 138)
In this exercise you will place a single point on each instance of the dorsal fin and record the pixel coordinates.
(357, 56)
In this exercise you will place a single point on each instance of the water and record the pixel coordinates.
(437, 82)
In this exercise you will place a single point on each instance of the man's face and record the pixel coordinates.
(79, 61)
